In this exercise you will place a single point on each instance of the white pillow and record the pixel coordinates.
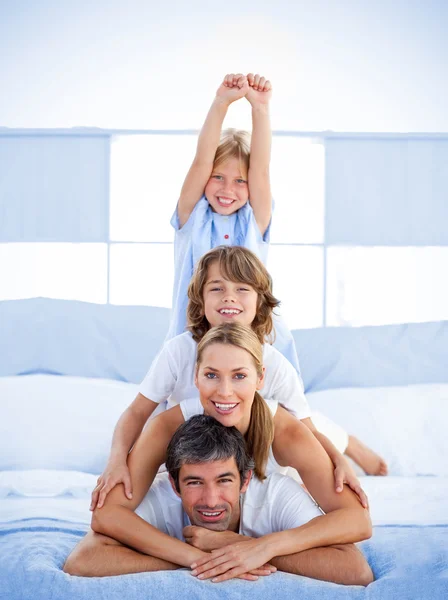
(54, 422)
(407, 425)
(43, 483)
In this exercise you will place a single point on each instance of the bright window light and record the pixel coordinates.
(297, 174)
(141, 274)
(147, 173)
(297, 273)
(54, 270)
(377, 285)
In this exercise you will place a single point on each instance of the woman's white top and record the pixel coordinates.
(193, 407)
(171, 377)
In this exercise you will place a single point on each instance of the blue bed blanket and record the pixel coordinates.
(409, 562)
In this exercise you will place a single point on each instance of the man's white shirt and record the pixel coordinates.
(276, 504)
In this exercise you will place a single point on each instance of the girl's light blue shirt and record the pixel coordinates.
(204, 230)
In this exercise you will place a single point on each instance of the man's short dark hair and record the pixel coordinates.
(204, 439)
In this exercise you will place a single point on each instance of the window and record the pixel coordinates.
(147, 173)
(319, 277)
(54, 270)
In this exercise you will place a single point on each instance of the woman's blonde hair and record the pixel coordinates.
(260, 433)
(234, 143)
(238, 264)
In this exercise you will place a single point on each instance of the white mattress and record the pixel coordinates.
(65, 495)
(407, 500)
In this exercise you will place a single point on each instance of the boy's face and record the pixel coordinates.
(228, 301)
(210, 494)
(227, 189)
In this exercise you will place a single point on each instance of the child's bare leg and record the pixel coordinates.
(367, 459)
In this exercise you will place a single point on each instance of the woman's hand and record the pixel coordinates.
(260, 90)
(247, 557)
(233, 87)
(114, 473)
(344, 473)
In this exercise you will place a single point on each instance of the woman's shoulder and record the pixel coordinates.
(190, 407)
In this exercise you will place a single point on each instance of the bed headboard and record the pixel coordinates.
(41, 335)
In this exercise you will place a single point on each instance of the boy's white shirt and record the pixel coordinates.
(276, 504)
(171, 377)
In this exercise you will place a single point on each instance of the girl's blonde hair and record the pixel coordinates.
(234, 143)
(260, 434)
(238, 264)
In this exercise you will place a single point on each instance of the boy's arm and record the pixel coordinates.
(232, 88)
(127, 430)
(259, 95)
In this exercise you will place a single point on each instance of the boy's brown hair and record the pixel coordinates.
(238, 264)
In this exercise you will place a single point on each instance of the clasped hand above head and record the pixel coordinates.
(256, 88)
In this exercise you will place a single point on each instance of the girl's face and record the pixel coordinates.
(228, 301)
(227, 189)
(227, 380)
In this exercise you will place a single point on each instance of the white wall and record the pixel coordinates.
(346, 65)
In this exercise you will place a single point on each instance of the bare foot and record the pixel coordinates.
(370, 462)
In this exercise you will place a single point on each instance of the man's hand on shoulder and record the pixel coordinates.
(208, 540)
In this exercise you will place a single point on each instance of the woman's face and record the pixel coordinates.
(227, 380)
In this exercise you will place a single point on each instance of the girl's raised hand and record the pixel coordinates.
(260, 89)
(234, 87)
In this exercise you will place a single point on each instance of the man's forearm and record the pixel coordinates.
(341, 526)
(343, 564)
(109, 560)
(124, 525)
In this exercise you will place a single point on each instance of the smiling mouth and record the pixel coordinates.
(224, 409)
(229, 311)
(225, 201)
(211, 515)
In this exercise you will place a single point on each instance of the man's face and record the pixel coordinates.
(210, 494)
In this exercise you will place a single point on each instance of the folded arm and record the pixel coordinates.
(346, 521)
(98, 555)
(342, 564)
(117, 519)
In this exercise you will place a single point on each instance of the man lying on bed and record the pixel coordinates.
(216, 509)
